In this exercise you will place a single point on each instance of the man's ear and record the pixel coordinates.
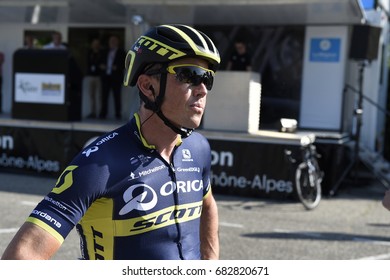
(144, 84)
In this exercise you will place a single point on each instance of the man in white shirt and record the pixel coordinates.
(56, 42)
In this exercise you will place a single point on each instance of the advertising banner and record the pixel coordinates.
(238, 166)
(253, 169)
(40, 88)
(325, 49)
(33, 150)
(241, 168)
(43, 90)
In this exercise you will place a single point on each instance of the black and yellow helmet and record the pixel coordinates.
(165, 43)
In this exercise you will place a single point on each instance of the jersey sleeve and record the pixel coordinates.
(76, 188)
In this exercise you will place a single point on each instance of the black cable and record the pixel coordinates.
(383, 110)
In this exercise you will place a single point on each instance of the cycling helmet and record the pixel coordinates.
(162, 45)
(165, 43)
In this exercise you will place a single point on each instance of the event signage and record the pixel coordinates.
(40, 88)
(241, 168)
(325, 49)
(31, 150)
(257, 169)
(369, 4)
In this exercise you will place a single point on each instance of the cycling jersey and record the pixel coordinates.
(127, 202)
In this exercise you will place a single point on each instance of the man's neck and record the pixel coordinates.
(158, 134)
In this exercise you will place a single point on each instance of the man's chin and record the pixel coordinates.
(195, 124)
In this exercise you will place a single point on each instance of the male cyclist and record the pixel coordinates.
(143, 190)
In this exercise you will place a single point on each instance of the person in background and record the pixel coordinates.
(29, 42)
(142, 191)
(56, 43)
(240, 60)
(112, 76)
(92, 79)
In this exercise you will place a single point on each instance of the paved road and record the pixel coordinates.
(352, 225)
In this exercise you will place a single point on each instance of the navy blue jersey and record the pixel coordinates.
(127, 201)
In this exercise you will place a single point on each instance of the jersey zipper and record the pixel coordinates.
(172, 173)
(176, 200)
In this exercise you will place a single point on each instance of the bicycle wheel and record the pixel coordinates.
(308, 186)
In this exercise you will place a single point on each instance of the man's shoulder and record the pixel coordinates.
(121, 131)
(197, 138)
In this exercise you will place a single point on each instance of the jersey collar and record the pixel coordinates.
(141, 137)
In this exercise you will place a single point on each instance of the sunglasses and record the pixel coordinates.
(191, 74)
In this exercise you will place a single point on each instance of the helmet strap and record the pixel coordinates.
(183, 131)
(155, 106)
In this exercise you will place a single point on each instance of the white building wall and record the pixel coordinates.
(369, 131)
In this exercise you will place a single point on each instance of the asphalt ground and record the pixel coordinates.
(351, 225)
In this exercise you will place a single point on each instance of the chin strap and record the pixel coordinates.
(155, 106)
(183, 131)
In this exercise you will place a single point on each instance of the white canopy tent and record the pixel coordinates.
(205, 12)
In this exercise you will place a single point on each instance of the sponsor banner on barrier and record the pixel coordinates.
(253, 168)
(34, 150)
(242, 168)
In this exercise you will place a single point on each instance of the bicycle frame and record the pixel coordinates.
(308, 175)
